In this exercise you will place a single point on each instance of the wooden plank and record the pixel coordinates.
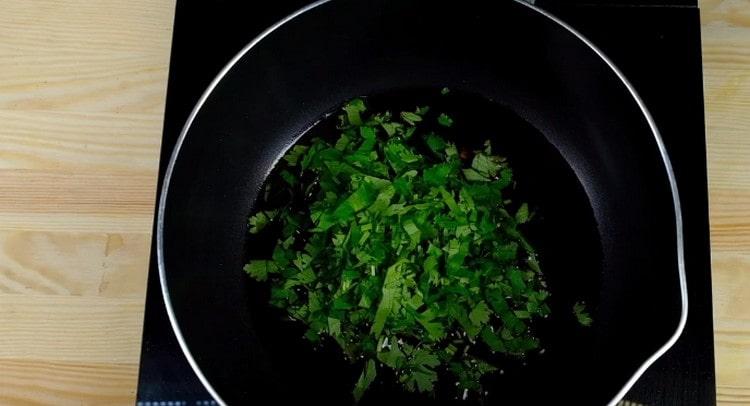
(62, 27)
(42, 382)
(82, 86)
(80, 55)
(56, 200)
(730, 222)
(732, 326)
(65, 141)
(45, 191)
(71, 328)
(726, 63)
(97, 222)
(74, 264)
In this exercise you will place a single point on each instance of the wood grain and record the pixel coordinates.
(66, 383)
(76, 201)
(71, 328)
(726, 62)
(52, 140)
(82, 88)
(82, 55)
(84, 264)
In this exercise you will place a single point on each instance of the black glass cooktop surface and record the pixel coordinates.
(655, 44)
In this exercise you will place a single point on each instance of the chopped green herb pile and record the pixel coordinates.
(406, 252)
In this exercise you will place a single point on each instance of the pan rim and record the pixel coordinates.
(644, 110)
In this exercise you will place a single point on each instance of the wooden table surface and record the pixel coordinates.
(82, 88)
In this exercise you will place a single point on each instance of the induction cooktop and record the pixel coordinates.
(657, 46)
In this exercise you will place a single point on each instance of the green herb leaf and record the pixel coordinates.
(294, 154)
(334, 327)
(444, 120)
(480, 314)
(522, 215)
(390, 296)
(353, 110)
(473, 175)
(486, 165)
(365, 379)
(363, 197)
(438, 175)
(259, 269)
(582, 315)
(411, 118)
(258, 221)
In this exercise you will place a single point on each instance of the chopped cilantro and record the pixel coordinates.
(402, 251)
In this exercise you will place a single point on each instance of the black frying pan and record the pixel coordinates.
(584, 148)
